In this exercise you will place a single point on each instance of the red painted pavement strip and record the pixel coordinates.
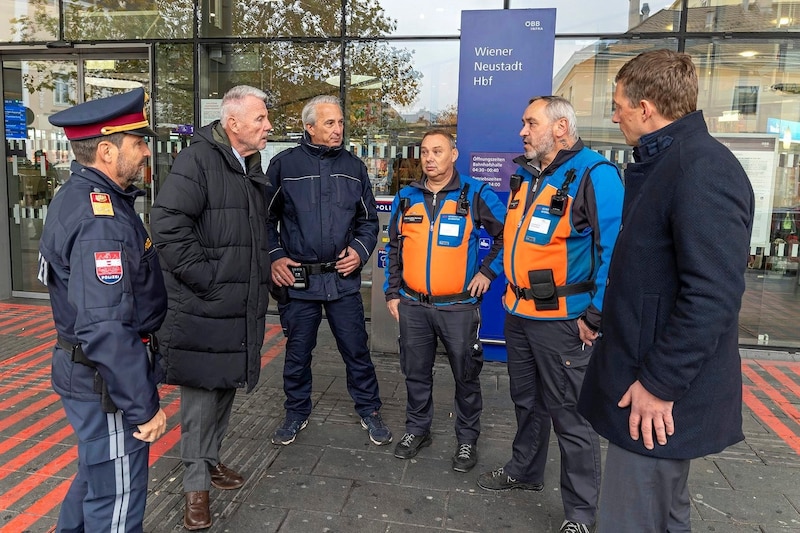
(24, 378)
(35, 512)
(15, 359)
(30, 454)
(27, 411)
(763, 412)
(157, 450)
(39, 322)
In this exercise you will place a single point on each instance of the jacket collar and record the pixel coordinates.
(655, 143)
(99, 179)
(453, 185)
(320, 150)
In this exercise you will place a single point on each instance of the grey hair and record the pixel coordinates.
(558, 108)
(233, 99)
(309, 114)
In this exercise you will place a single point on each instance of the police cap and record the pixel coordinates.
(121, 113)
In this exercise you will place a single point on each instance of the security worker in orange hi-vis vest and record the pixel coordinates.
(434, 284)
(108, 297)
(563, 217)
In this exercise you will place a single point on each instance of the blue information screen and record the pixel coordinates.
(15, 119)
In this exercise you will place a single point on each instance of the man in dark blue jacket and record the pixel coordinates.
(664, 385)
(108, 296)
(323, 226)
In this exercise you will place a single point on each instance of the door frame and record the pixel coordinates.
(77, 53)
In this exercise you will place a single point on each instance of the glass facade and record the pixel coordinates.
(395, 64)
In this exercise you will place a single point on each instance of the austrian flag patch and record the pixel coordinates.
(108, 266)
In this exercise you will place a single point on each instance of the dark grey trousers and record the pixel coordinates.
(642, 494)
(420, 327)
(546, 365)
(204, 422)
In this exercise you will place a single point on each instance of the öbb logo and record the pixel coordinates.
(534, 25)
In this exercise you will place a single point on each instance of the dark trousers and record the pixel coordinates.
(204, 421)
(546, 365)
(420, 326)
(300, 320)
(110, 489)
(642, 494)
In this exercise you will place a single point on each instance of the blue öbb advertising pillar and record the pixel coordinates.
(506, 58)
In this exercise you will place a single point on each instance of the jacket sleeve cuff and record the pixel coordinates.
(592, 318)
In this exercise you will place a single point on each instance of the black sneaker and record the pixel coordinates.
(499, 480)
(287, 432)
(410, 444)
(465, 458)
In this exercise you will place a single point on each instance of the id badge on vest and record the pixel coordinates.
(541, 226)
(451, 230)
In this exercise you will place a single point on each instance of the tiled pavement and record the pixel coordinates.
(333, 480)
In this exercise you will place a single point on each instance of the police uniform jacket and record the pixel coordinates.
(208, 223)
(106, 291)
(674, 292)
(438, 254)
(323, 203)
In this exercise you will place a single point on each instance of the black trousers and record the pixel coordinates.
(420, 328)
(546, 365)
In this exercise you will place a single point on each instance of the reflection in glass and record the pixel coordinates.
(37, 155)
(618, 16)
(411, 17)
(32, 20)
(273, 18)
(734, 15)
(389, 108)
(134, 19)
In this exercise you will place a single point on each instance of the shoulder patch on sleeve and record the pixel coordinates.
(101, 204)
(108, 266)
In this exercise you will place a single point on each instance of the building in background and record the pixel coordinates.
(395, 66)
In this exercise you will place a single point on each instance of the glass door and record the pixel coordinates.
(38, 154)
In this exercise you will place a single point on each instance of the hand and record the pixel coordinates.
(648, 413)
(281, 275)
(394, 308)
(152, 430)
(587, 335)
(478, 285)
(349, 263)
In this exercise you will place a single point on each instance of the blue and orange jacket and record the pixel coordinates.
(576, 246)
(433, 249)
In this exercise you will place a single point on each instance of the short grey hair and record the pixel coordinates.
(309, 114)
(558, 108)
(233, 99)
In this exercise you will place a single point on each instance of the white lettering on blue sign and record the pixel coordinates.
(485, 243)
(383, 257)
(385, 207)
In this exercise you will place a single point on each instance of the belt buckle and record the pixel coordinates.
(519, 292)
(424, 298)
(329, 267)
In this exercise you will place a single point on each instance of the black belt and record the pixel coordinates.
(77, 355)
(563, 290)
(436, 299)
(320, 268)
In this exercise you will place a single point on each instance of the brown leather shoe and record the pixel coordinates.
(196, 514)
(224, 478)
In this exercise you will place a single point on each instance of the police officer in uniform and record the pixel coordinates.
(107, 294)
(433, 287)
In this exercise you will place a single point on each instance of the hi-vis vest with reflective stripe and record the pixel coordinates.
(436, 254)
(535, 239)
